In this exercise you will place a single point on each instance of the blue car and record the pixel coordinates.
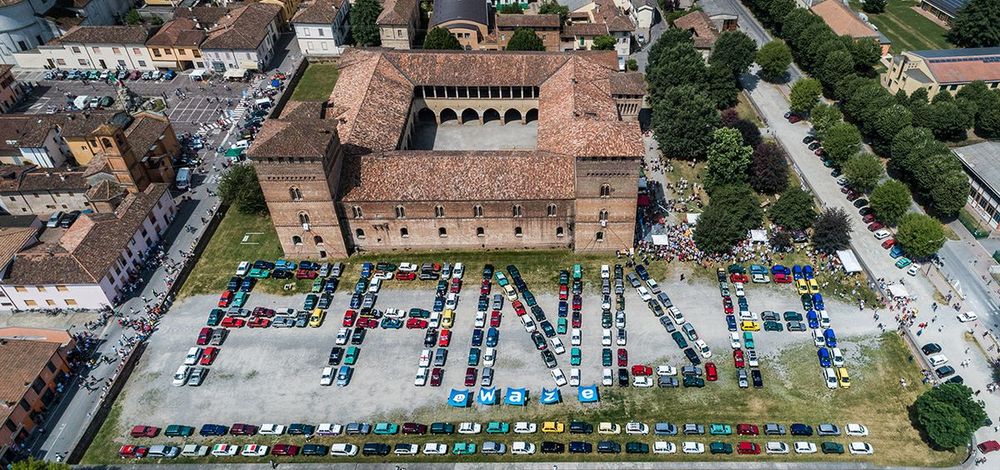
(356, 301)
(285, 264)
(477, 337)
(818, 302)
(831, 338)
(366, 270)
(807, 271)
(247, 284)
(824, 357)
(563, 309)
(361, 286)
(392, 323)
(438, 304)
(797, 272)
(779, 269)
(731, 322)
(473, 357)
(492, 337)
(812, 318)
(213, 430)
(896, 251)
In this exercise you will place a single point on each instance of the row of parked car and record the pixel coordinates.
(107, 75)
(747, 365)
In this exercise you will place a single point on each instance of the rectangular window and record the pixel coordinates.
(38, 384)
(136, 50)
(50, 302)
(142, 63)
(70, 302)
(40, 288)
(82, 62)
(76, 50)
(10, 425)
(61, 288)
(116, 50)
(30, 303)
(20, 289)
(50, 366)
(95, 49)
(61, 61)
(24, 405)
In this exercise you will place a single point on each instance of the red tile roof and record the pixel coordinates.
(842, 20)
(701, 27)
(966, 65)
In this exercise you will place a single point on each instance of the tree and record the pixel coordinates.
(731, 213)
(949, 414)
(239, 188)
(551, 7)
(728, 159)
(721, 87)
(841, 142)
(988, 118)
(525, 39)
(836, 65)
(363, 17)
(948, 120)
(440, 38)
(890, 201)
(805, 95)
(873, 6)
(733, 51)
(794, 210)
(823, 117)
(863, 171)
(769, 169)
(749, 131)
(920, 235)
(866, 54)
(132, 17)
(950, 193)
(832, 230)
(31, 464)
(910, 147)
(604, 43)
(977, 24)
(781, 240)
(631, 65)
(929, 171)
(511, 9)
(673, 61)
(683, 122)
(774, 58)
(886, 124)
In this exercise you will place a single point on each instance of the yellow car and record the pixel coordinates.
(747, 325)
(552, 426)
(843, 378)
(447, 319)
(813, 287)
(316, 319)
(802, 286)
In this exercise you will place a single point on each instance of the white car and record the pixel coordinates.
(327, 377)
(606, 337)
(607, 378)
(243, 268)
(653, 286)
(395, 313)
(343, 335)
(558, 376)
(329, 429)
(818, 340)
(522, 448)
(802, 447)
(644, 293)
(407, 267)
(192, 356)
(605, 271)
(375, 285)
(937, 360)
(524, 427)
(635, 427)
(425, 358)
(774, 447)
(966, 317)
(271, 429)
(666, 370)
(739, 289)
(575, 337)
(489, 357)
(254, 450)
(458, 272)
(557, 345)
(529, 324)
(480, 319)
(664, 447)
(676, 314)
(702, 346)
(914, 268)
(451, 302)
(830, 377)
(421, 379)
(734, 340)
(693, 447)
(861, 448)
(837, 357)
(606, 302)
(642, 381)
(747, 315)
(854, 429)
(225, 450)
(574, 377)
(181, 376)
(881, 234)
(343, 450)
(609, 428)
(434, 321)
(752, 359)
(194, 450)
(622, 338)
(435, 448)
(406, 449)
(469, 428)
(824, 319)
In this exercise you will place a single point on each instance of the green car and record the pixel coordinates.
(385, 429)
(696, 382)
(831, 448)
(259, 273)
(473, 357)
(564, 277)
(737, 269)
(679, 339)
(773, 326)
(215, 316)
(464, 448)
(606, 357)
(240, 299)
(636, 448)
(748, 340)
(419, 313)
(574, 357)
(310, 302)
(718, 429)
(720, 448)
(577, 271)
(351, 356)
(793, 316)
(562, 326)
(317, 285)
(902, 263)
(497, 427)
(177, 430)
(807, 302)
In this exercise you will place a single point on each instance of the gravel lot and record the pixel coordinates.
(272, 375)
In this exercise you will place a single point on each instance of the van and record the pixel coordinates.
(163, 451)
(183, 179)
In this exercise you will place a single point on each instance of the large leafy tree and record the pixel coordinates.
(950, 193)
(731, 213)
(988, 117)
(910, 147)
(604, 43)
(721, 87)
(551, 7)
(749, 130)
(673, 61)
(832, 230)
(511, 9)
(805, 94)
(863, 171)
(948, 119)
(976, 25)
(920, 235)
(733, 51)
(683, 122)
(31, 464)
(794, 210)
(728, 159)
(823, 117)
(525, 39)
(363, 17)
(769, 169)
(949, 414)
(834, 66)
(239, 188)
(890, 201)
(774, 58)
(440, 38)
(873, 6)
(841, 142)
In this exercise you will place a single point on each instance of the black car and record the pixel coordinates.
(430, 338)
(359, 336)
(813, 145)
(578, 447)
(213, 430)
(549, 447)
(622, 377)
(336, 355)
(547, 328)
(931, 348)
(608, 447)
(758, 381)
(281, 274)
(866, 210)
(442, 428)
(636, 448)
(536, 338)
(606, 319)
(299, 429)
(314, 449)
(538, 313)
(580, 427)
(67, 219)
(549, 359)
(808, 139)
(375, 448)
(477, 338)
(862, 202)
(641, 271)
(487, 271)
(944, 371)
(692, 356)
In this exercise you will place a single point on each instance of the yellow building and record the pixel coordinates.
(943, 70)
(288, 8)
(176, 45)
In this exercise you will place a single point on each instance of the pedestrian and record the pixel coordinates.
(977, 392)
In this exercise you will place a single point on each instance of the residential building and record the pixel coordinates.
(599, 18)
(31, 139)
(95, 47)
(23, 27)
(89, 264)
(945, 10)
(702, 30)
(358, 176)
(34, 362)
(722, 13)
(644, 14)
(946, 70)
(205, 16)
(321, 27)
(398, 23)
(177, 45)
(980, 162)
(28, 189)
(288, 8)
(244, 38)
(845, 22)
(466, 20)
(10, 89)
(546, 27)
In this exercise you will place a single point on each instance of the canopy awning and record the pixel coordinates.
(897, 291)
(692, 218)
(661, 239)
(758, 236)
(849, 261)
(234, 73)
(249, 65)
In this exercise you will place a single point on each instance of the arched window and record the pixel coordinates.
(400, 212)
(296, 240)
(477, 211)
(551, 210)
(480, 232)
(303, 218)
(295, 193)
(438, 211)
(517, 210)
(318, 240)
(559, 231)
(605, 190)
(518, 232)
(603, 215)
(600, 236)
(442, 232)
(404, 232)
(360, 234)
(356, 212)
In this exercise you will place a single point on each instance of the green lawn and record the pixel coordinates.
(908, 30)
(793, 393)
(316, 83)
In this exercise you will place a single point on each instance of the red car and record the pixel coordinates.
(711, 373)
(366, 322)
(285, 449)
(305, 274)
(259, 322)
(518, 307)
(208, 355)
(781, 278)
(819, 152)
(577, 302)
(242, 429)
(233, 322)
(852, 196)
(737, 277)
(888, 243)
(875, 226)
(437, 375)
(794, 118)
(404, 276)
(495, 319)
(641, 370)
(263, 312)
(868, 218)
(350, 317)
(226, 298)
(130, 451)
(622, 357)
(470, 377)
(563, 292)
(204, 335)
(745, 429)
(577, 319)
(484, 289)
(738, 358)
(445, 339)
(456, 285)
(416, 323)
(144, 431)
(727, 305)
(747, 448)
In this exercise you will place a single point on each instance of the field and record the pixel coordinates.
(908, 30)
(316, 83)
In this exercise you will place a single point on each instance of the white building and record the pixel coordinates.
(93, 47)
(243, 39)
(89, 264)
(31, 139)
(23, 27)
(321, 28)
